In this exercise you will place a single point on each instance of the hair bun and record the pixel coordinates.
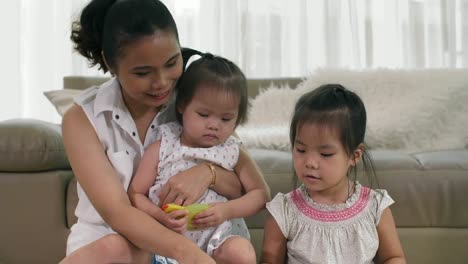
(208, 55)
(338, 88)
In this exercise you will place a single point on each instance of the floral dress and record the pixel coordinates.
(175, 158)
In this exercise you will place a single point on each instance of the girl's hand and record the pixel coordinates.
(186, 187)
(213, 216)
(176, 220)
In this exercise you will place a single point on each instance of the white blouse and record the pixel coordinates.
(116, 129)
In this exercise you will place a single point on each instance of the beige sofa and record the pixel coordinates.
(38, 195)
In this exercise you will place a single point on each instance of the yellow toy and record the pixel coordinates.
(193, 210)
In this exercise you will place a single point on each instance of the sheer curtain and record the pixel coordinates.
(293, 37)
(36, 53)
(267, 38)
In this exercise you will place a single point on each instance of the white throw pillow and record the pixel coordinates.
(62, 99)
(269, 117)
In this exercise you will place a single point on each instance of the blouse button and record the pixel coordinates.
(117, 116)
(133, 133)
(152, 126)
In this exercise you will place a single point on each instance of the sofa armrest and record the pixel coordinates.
(34, 175)
(28, 145)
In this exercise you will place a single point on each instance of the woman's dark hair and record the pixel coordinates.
(339, 109)
(110, 25)
(214, 71)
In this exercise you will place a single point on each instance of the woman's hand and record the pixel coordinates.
(176, 220)
(186, 187)
(213, 216)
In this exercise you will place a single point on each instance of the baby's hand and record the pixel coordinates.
(213, 216)
(175, 220)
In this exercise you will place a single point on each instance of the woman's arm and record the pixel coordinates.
(274, 243)
(138, 191)
(189, 185)
(102, 186)
(390, 250)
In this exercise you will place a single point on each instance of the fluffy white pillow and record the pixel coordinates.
(62, 99)
(412, 111)
(269, 118)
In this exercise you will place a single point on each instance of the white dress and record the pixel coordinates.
(174, 158)
(318, 233)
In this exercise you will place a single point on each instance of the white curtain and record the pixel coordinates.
(266, 38)
(36, 53)
(293, 37)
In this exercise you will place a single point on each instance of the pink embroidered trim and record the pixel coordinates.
(333, 216)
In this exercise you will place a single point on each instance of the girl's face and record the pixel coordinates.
(148, 70)
(210, 117)
(321, 163)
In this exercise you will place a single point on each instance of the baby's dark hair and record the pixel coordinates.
(110, 25)
(214, 71)
(339, 109)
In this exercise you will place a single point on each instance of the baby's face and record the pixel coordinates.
(210, 117)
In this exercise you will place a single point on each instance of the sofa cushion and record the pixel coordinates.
(443, 160)
(428, 188)
(33, 228)
(430, 195)
(71, 200)
(29, 145)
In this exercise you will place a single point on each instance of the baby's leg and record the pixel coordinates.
(112, 248)
(235, 249)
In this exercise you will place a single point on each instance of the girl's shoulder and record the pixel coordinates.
(281, 197)
(282, 210)
(232, 141)
(169, 131)
(379, 197)
(379, 200)
(168, 135)
(280, 203)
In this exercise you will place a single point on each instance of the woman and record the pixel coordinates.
(107, 130)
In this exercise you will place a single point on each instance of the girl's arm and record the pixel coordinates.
(257, 195)
(274, 243)
(138, 190)
(390, 250)
(102, 186)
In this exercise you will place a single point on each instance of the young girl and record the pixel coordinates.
(211, 102)
(331, 217)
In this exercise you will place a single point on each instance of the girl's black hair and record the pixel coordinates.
(340, 109)
(108, 26)
(215, 71)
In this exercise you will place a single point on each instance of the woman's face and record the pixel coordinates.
(148, 70)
